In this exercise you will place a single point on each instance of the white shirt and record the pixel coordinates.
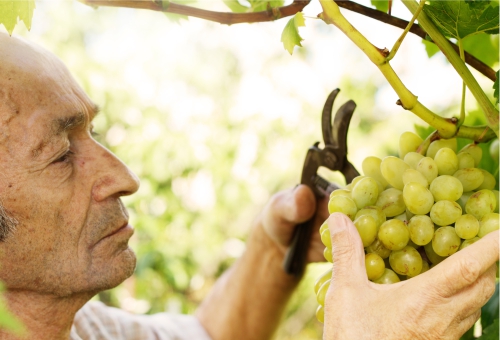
(96, 321)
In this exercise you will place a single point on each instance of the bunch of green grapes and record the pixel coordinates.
(414, 210)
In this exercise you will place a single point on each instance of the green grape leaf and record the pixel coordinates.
(12, 11)
(176, 18)
(290, 36)
(495, 88)
(263, 5)
(489, 312)
(478, 4)
(457, 19)
(235, 6)
(430, 48)
(491, 332)
(381, 5)
(483, 46)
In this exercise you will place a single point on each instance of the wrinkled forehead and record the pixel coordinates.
(36, 87)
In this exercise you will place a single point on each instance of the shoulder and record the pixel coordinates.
(95, 320)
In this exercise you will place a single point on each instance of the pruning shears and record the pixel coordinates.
(334, 157)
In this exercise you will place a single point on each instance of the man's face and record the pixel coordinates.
(61, 186)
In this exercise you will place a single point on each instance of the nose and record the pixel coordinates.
(115, 178)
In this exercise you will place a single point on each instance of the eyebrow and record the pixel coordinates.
(65, 124)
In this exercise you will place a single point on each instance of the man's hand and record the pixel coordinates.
(289, 208)
(248, 300)
(442, 303)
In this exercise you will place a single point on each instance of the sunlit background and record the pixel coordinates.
(214, 119)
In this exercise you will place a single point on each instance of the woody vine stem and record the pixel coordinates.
(446, 128)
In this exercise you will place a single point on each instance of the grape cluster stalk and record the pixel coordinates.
(414, 210)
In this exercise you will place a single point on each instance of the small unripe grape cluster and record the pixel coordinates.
(414, 210)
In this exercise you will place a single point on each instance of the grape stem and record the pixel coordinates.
(486, 105)
(447, 128)
(398, 42)
(422, 148)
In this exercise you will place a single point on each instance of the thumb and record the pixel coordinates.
(347, 250)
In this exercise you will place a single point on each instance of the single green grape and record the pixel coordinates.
(388, 277)
(412, 159)
(320, 296)
(428, 167)
(480, 203)
(464, 198)
(471, 178)
(444, 212)
(341, 192)
(406, 261)
(468, 242)
(418, 199)
(391, 202)
(436, 145)
(475, 151)
(367, 229)
(446, 188)
(489, 181)
(365, 192)
(467, 226)
(488, 223)
(412, 175)
(326, 238)
(322, 279)
(496, 194)
(320, 314)
(431, 254)
(408, 142)
(327, 253)
(425, 267)
(392, 169)
(373, 211)
(378, 248)
(421, 229)
(371, 168)
(445, 241)
(494, 150)
(375, 266)
(394, 234)
(447, 161)
(323, 227)
(465, 160)
(344, 205)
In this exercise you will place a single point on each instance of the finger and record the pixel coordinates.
(474, 296)
(347, 251)
(292, 206)
(456, 331)
(287, 209)
(464, 267)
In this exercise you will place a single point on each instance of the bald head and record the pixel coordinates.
(25, 68)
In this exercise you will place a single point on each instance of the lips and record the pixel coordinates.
(123, 228)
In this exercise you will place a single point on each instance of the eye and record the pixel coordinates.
(65, 158)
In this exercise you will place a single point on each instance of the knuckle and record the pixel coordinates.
(469, 270)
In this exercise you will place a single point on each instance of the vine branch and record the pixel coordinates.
(490, 112)
(229, 18)
(415, 29)
(446, 128)
(226, 18)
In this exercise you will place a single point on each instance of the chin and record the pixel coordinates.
(111, 273)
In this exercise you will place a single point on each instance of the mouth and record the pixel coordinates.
(125, 230)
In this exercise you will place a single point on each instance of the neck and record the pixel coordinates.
(44, 316)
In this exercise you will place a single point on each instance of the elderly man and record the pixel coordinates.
(65, 232)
